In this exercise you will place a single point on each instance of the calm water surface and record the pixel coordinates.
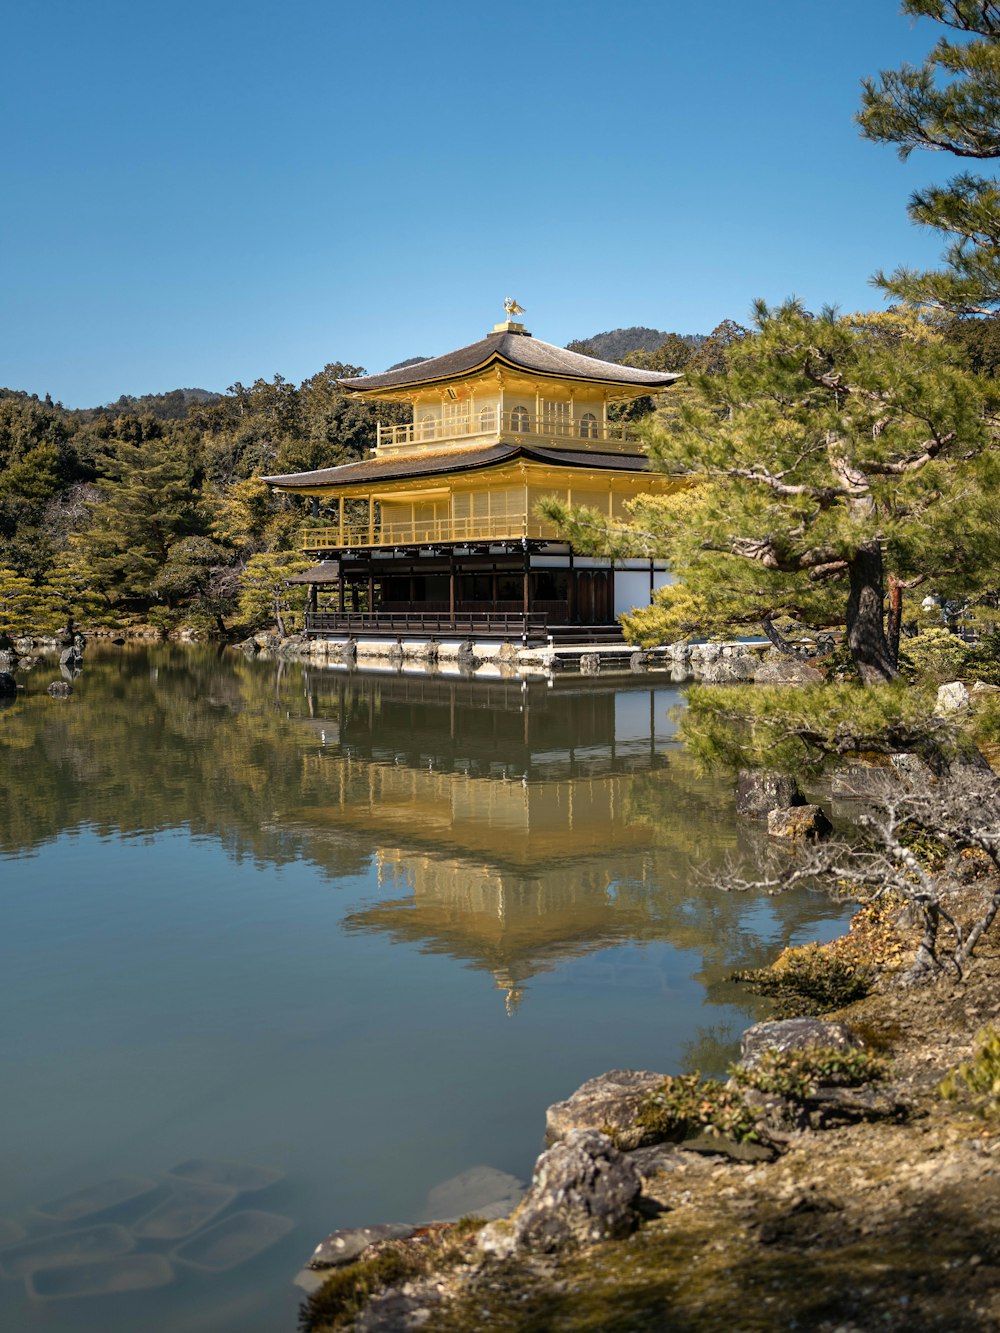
(360, 929)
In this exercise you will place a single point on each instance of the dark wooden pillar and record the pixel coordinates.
(651, 583)
(571, 592)
(371, 594)
(340, 591)
(451, 601)
(413, 589)
(527, 582)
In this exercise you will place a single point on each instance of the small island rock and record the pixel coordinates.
(758, 792)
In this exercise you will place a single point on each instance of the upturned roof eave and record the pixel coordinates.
(326, 478)
(368, 386)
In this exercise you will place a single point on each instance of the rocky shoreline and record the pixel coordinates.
(827, 1186)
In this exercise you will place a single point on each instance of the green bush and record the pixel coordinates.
(934, 656)
(978, 1078)
(797, 1074)
(983, 659)
(807, 981)
(686, 1104)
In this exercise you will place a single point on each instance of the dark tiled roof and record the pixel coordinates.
(454, 460)
(521, 351)
(328, 571)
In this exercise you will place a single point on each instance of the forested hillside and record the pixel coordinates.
(618, 343)
(142, 511)
(152, 509)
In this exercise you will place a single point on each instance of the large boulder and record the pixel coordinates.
(735, 670)
(781, 670)
(609, 1103)
(951, 698)
(583, 1191)
(760, 792)
(798, 822)
(794, 1034)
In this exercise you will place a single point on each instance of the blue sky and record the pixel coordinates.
(203, 192)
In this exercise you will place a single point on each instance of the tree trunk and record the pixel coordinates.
(865, 630)
(781, 643)
(895, 618)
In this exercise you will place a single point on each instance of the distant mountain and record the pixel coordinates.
(410, 361)
(616, 343)
(170, 406)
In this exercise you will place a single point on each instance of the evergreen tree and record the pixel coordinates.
(950, 104)
(148, 502)
(827, 447)
(265, 595)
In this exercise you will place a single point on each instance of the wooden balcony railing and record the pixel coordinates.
(490, 425)
(428, 532)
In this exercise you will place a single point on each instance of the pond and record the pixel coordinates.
(351, 932)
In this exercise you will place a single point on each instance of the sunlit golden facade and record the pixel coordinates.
(441, 525)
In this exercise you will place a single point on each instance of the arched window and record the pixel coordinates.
(588, 426)
(486, 419)
(519, 420)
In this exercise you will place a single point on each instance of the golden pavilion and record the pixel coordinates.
(437, 534)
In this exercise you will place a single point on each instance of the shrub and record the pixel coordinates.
(935, 655)
(686, 1104)
(806, 981)
(797, 1074)
(978, 1077)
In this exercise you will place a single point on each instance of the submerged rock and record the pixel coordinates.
(609, 1103)
(583, 1190)
(798, 821)
(481, 1191)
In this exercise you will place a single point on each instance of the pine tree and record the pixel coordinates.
(829, 447)
(265, 595)
(148, 502)
(950, 104)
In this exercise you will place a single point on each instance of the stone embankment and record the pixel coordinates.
(708, 663)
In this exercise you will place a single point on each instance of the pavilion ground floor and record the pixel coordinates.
(525, 590)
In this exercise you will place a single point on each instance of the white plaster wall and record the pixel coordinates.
(631, 589)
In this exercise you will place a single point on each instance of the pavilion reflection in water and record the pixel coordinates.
(518, 824)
